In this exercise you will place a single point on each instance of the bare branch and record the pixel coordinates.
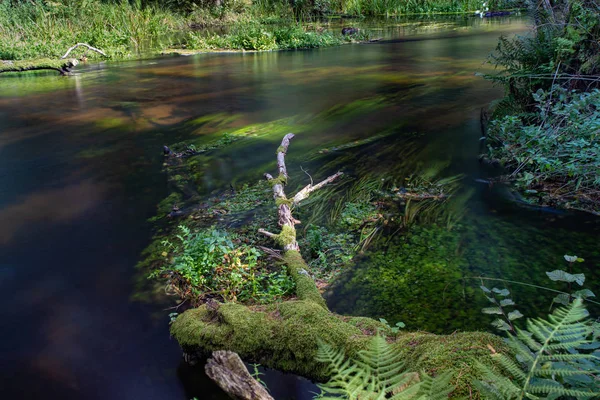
(308, 189)
(281, 151)
(84, 45)
(267, 233)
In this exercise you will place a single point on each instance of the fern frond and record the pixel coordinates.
(378, 373)
(437, 388)
(549, 358)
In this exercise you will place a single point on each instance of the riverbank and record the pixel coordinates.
(45, 30)
(545, 130)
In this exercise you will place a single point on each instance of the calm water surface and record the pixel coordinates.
(80, 174)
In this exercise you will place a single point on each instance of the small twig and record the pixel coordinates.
(306, 172)
(175, 307)
(84, 45)
(266, 233)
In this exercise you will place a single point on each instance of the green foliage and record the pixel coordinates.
(326, 251)
(552, 359)
(563, 49)
(500, 300)
(558, 151)
(36, 29)
(254, 36)
(209, 264)
(377, 372)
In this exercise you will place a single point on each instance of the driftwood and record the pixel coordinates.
(229, 372)
(84, 45)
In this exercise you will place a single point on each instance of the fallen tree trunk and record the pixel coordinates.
(61, 66)
(285, 335)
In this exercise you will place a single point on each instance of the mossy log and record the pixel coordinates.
(285, 336)
(64, 67)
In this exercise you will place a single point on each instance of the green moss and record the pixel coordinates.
(280, 180)
(305, 286)
(458, 351)
(280, 149)
(286, 237)
(285, 336)
(369, 325)
(19, 66)
(279, 201)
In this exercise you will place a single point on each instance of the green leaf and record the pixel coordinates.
(501, 324)
(562, 298)
(584, 293)
(485, 290)
(501, 292)
(514, 315)
(562, 276)
(491, 310)
(507, 302)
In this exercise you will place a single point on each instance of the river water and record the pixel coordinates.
(80, 172)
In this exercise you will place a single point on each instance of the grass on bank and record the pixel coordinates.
(46, 29)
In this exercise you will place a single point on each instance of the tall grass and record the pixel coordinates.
(36, 29)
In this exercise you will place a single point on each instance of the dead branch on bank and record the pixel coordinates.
(84, 45)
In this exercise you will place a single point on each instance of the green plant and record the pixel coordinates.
(559, 275)
(209, 264)
(500, 300)
(553, 358)
(378, 372)
(554, 157)
(396, 328)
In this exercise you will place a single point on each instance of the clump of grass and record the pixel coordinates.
(47, 29)
(253, 36)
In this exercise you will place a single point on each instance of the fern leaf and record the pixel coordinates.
(437, 388)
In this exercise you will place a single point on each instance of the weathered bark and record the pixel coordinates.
(287, 237)
(229, 372)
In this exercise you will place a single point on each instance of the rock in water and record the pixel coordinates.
(349, 31)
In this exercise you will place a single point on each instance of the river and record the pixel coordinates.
(80, 172)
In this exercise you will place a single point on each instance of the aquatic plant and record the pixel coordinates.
(378, 372)
(554, 357)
